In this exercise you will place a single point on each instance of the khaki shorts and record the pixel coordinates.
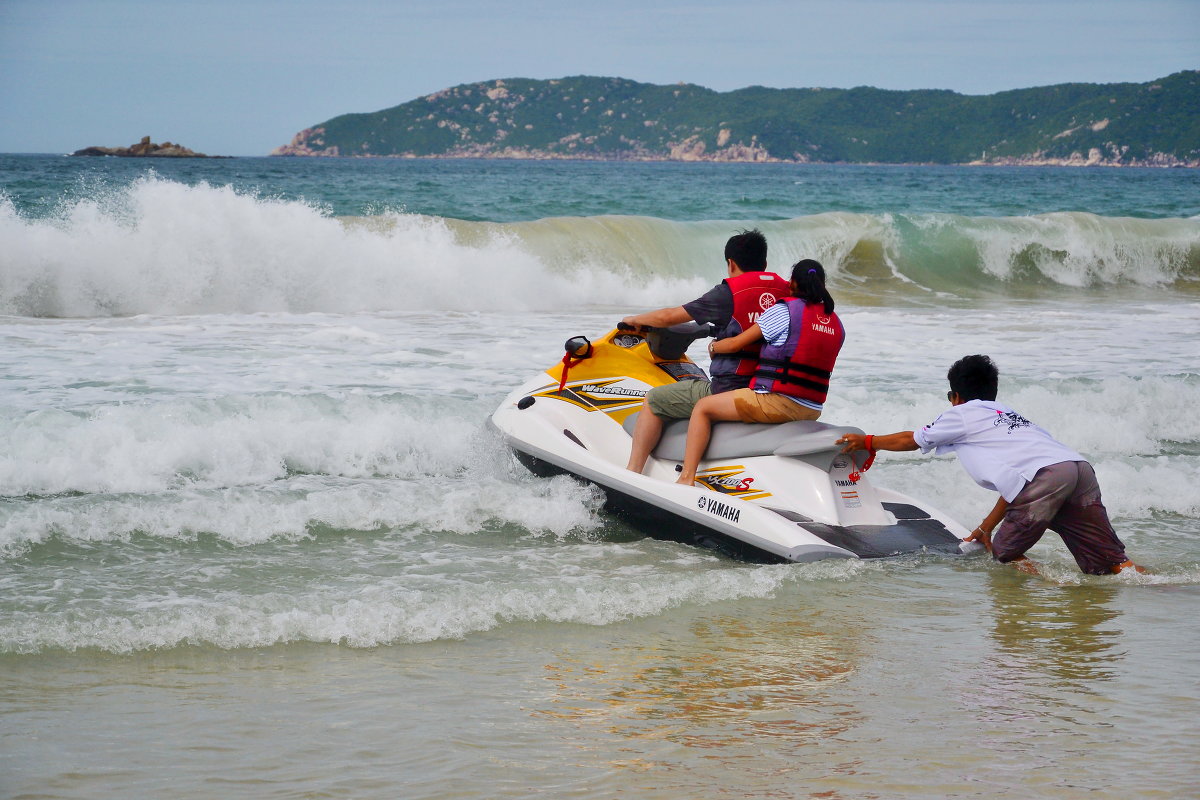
(676, 400)
(755, 406)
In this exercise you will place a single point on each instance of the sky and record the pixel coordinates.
(241, 77)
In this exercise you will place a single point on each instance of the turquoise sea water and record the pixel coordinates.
(509, 191)
(255, 539)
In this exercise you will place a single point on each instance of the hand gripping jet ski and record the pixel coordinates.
(769, 493)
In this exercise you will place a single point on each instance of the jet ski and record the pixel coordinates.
(763, 493)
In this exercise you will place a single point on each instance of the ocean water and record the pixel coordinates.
(256, 540)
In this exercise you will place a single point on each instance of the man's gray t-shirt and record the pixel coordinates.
(715, 305)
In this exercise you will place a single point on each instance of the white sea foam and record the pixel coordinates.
(402, 608)
(152, 447)
(278, 466)
(217, 423)
(274, 466)
(428, 599)
(1077, 249)
(165, 248)
(161, 247)
(1068, 248)
(302, 507)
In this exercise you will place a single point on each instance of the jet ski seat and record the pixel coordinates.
(807, 440)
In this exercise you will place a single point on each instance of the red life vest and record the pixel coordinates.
(753, 293)
(801, 366)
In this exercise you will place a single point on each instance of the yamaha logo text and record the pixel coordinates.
(720, 509)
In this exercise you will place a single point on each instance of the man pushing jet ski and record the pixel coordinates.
(1043, 484)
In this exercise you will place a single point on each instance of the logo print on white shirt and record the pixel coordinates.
(1012, 419)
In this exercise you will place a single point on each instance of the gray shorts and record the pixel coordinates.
(1064, 498)
(676, 400)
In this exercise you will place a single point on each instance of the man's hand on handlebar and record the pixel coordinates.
(628, 324)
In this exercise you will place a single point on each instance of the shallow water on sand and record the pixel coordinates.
(913, 680)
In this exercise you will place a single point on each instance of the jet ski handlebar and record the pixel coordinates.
(671, 343)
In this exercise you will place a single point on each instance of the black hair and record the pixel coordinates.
(747, 249)
(974, 378)
(808, 276)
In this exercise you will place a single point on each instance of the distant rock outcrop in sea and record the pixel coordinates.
(144, 149)
(1076, 124)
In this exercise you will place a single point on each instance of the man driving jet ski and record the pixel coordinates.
(733, 305)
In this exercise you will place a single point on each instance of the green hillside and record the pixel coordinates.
(1156, 123)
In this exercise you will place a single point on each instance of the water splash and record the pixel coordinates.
(157, 246)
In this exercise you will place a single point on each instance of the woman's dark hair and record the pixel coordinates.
(809, 278)
(974, 378)
(747, 249)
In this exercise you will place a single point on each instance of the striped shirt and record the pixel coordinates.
(775, 323)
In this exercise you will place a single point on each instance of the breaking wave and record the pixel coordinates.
(281, 467)
(161, 247)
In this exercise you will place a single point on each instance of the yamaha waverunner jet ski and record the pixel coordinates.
(771, 493)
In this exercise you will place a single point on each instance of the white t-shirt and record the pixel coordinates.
(997, 447)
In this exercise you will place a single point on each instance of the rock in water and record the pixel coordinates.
(144, 149)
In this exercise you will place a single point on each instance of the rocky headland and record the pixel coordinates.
(1151, 124)
(144, 149)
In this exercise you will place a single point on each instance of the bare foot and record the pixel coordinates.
(686, 481)
(1025, 565)
(1124, 565)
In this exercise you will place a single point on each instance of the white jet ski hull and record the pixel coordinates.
(763, 493)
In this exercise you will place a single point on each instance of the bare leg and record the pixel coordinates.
(646, 433)
(713, 408)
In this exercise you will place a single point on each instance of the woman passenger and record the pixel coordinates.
(802, 340)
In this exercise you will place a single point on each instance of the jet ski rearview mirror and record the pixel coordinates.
(578, 347)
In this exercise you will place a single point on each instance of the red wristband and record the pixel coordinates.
(869, 444)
